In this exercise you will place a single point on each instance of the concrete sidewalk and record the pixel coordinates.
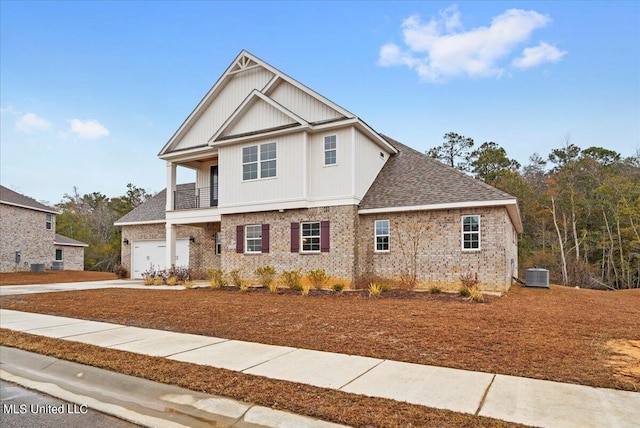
(522, 400)
(9, 290)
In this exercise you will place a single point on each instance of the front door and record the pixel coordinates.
(213, 197)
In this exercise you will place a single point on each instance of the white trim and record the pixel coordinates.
(462, 232)
(246, 238)
(353, 161)
(445, 206)
(305, 172)
(136, 223)
(62, 244)
(375, 236)
(30, 208)
(324, 149)
(259, 162)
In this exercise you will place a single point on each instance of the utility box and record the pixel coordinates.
(37, 267)
(537, 278)
(18, 256)
(57, 265)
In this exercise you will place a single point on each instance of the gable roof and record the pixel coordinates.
(411, 180)
(152, 210)
(66, 241)
(265, 91)
(9, 197)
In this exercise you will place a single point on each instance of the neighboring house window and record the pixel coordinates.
(310, 237)
(382, 235)
(314, 237)
(259, 161)
(252, 239)
(58, 254)
(330, 157)
(218, 242)
(471, 232)
(49, 223)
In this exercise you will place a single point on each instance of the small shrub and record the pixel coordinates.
(236, 278)
(337, 287)
(157, 280)
(244, 286)
(148, 280)
(317, 278)
(172, 280)
(292, 279)
(188, 284)
(434, 289)
(463, 291)
(304, 289)
(120, 271)
(475, 295)
(217, 277)
(149, 275)
(266, 274)
(469, 280)
(181, 273)
(376, 289)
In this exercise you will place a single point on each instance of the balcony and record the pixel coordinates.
(190, 198)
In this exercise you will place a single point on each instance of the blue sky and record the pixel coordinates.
(91, 91)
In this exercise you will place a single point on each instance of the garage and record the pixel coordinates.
(145, 254)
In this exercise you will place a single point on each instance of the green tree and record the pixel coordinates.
(454, 151)
(489, 162)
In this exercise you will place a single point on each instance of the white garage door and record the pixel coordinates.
(153, 253)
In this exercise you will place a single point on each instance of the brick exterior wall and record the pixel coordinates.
(72, 257)
(339, 263)
(24, 230)
(440, 258)
(201, 252)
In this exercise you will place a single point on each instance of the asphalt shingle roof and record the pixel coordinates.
(411, 178)
(64, 240)
(10, 197)
(153, 209)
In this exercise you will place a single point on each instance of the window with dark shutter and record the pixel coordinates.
(265, 238)
(324, 236)
(295, 237)
(239, 239)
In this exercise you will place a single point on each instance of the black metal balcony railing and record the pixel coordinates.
(203, 197)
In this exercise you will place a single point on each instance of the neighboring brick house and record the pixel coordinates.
(28, 239)
(285, 177)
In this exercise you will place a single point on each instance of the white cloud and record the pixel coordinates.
(30, 122)
(442, 48)
(543, 53)
(88, 129)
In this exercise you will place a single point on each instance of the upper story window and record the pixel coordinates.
(382, 235)
(259, 161)
(471, 232)
(310, 237)
(49, 222)
(330, 152)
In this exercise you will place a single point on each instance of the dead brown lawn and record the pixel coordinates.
(560, 334)
(52, 277)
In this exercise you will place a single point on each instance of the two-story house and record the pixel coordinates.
(287, 178)
(28, 238)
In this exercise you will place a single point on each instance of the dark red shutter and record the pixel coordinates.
(239, 239)
(295, 237)
(324, 236)
(265, 238)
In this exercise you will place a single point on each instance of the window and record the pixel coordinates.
(218, 242)
(58, 254)
(382, 235)
(471, 232)
(311, 237)
(330, 157)
(49, 223)
(259, 161)
(253, 238)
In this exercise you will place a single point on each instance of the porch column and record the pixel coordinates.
(171, 245)
(171, 185)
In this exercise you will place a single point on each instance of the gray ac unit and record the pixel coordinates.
(37, 267)
(537, 278)
(57, 265)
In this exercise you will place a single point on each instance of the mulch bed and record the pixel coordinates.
(558, 334)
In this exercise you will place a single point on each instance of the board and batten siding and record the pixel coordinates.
(223, 105)
(287, 185)
(368, 163)
(302, 104)
(334, 180)
(259, 116)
